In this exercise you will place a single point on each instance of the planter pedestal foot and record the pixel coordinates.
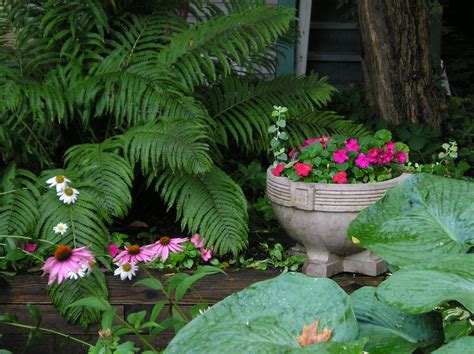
(362, 263)
(322, 270)
(297, 250)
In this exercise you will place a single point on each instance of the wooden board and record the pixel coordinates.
(30, 289)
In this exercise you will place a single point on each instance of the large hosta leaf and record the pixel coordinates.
(390, 330)
(420, 287)
(459, 346)
(268, 316)
(423, 218)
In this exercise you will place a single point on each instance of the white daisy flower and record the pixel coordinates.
(60, 182)
(60, 228)
(68, 196)
(126, 270)
(81, 272)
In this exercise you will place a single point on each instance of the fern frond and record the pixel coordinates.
(242, 109)
(224, 40)
(19, 197)
(86, 221)
(176, 143)
(304, 125)
(210, 203)
(107, 175)
(70, 291)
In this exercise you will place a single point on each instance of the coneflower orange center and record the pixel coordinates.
(62, 253)
(59, 179)
(126, 267)
(134, 250)
(165, 241)
(68, 192)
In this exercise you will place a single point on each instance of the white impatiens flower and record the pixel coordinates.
(60, 228)
(68, 196)
(126, 270)
(60, 182)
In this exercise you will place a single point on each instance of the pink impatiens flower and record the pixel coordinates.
(352, 145)
(206, 254)
(196, 241)
(134, 254)
(302, 169)
(340, 178)
(340, 156)
(292, 152)
(29, 247)
(278, 170)
(390, 146)
(165, 245)
(113, 250)
(401, 157)
(66, 261)
(362, 160)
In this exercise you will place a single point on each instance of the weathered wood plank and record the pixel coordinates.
(23, 289)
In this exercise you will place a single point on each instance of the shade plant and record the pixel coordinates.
(403, 314)
(105, 92)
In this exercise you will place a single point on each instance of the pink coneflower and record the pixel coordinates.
(134, 254)
(29, 247)
(66, 260)
(113, 250)
(206, 254)
(198, 243)
(165, 245)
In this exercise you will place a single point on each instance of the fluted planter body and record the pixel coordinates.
(318, 215)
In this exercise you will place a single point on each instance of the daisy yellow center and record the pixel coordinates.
(134, 250)
(165, 241)
(59, 179)
(61, 228)
(62, 253)
(126, 267)
(91, 264)
(69, 192)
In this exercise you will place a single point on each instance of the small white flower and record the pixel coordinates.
(60, 228)
(60, 182)
(68, 196)
(80, 274)
(126, 270)
(202, 311)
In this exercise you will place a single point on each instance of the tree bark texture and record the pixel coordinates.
(395, 41)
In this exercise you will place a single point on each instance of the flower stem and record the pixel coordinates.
(137, 333)
(49, 331)
(12, 191)
(29, 238)
(170, 299)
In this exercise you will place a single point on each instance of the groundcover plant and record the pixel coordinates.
(116, 89)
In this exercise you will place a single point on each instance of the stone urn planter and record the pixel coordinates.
(318, 215)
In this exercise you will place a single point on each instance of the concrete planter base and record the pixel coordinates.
(317, 217)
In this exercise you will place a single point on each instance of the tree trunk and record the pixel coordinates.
(395, 41)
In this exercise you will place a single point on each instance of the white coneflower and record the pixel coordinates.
(60, 228)
(126, 270)
(68, 196)
(60, 182)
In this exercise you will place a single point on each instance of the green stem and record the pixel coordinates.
(73, 228)
(170, 299)
(29, 238)
(13, 191)
(137, 333)
(32, 255)
(49, 331)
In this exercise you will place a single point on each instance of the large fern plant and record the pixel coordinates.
(108, 85)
